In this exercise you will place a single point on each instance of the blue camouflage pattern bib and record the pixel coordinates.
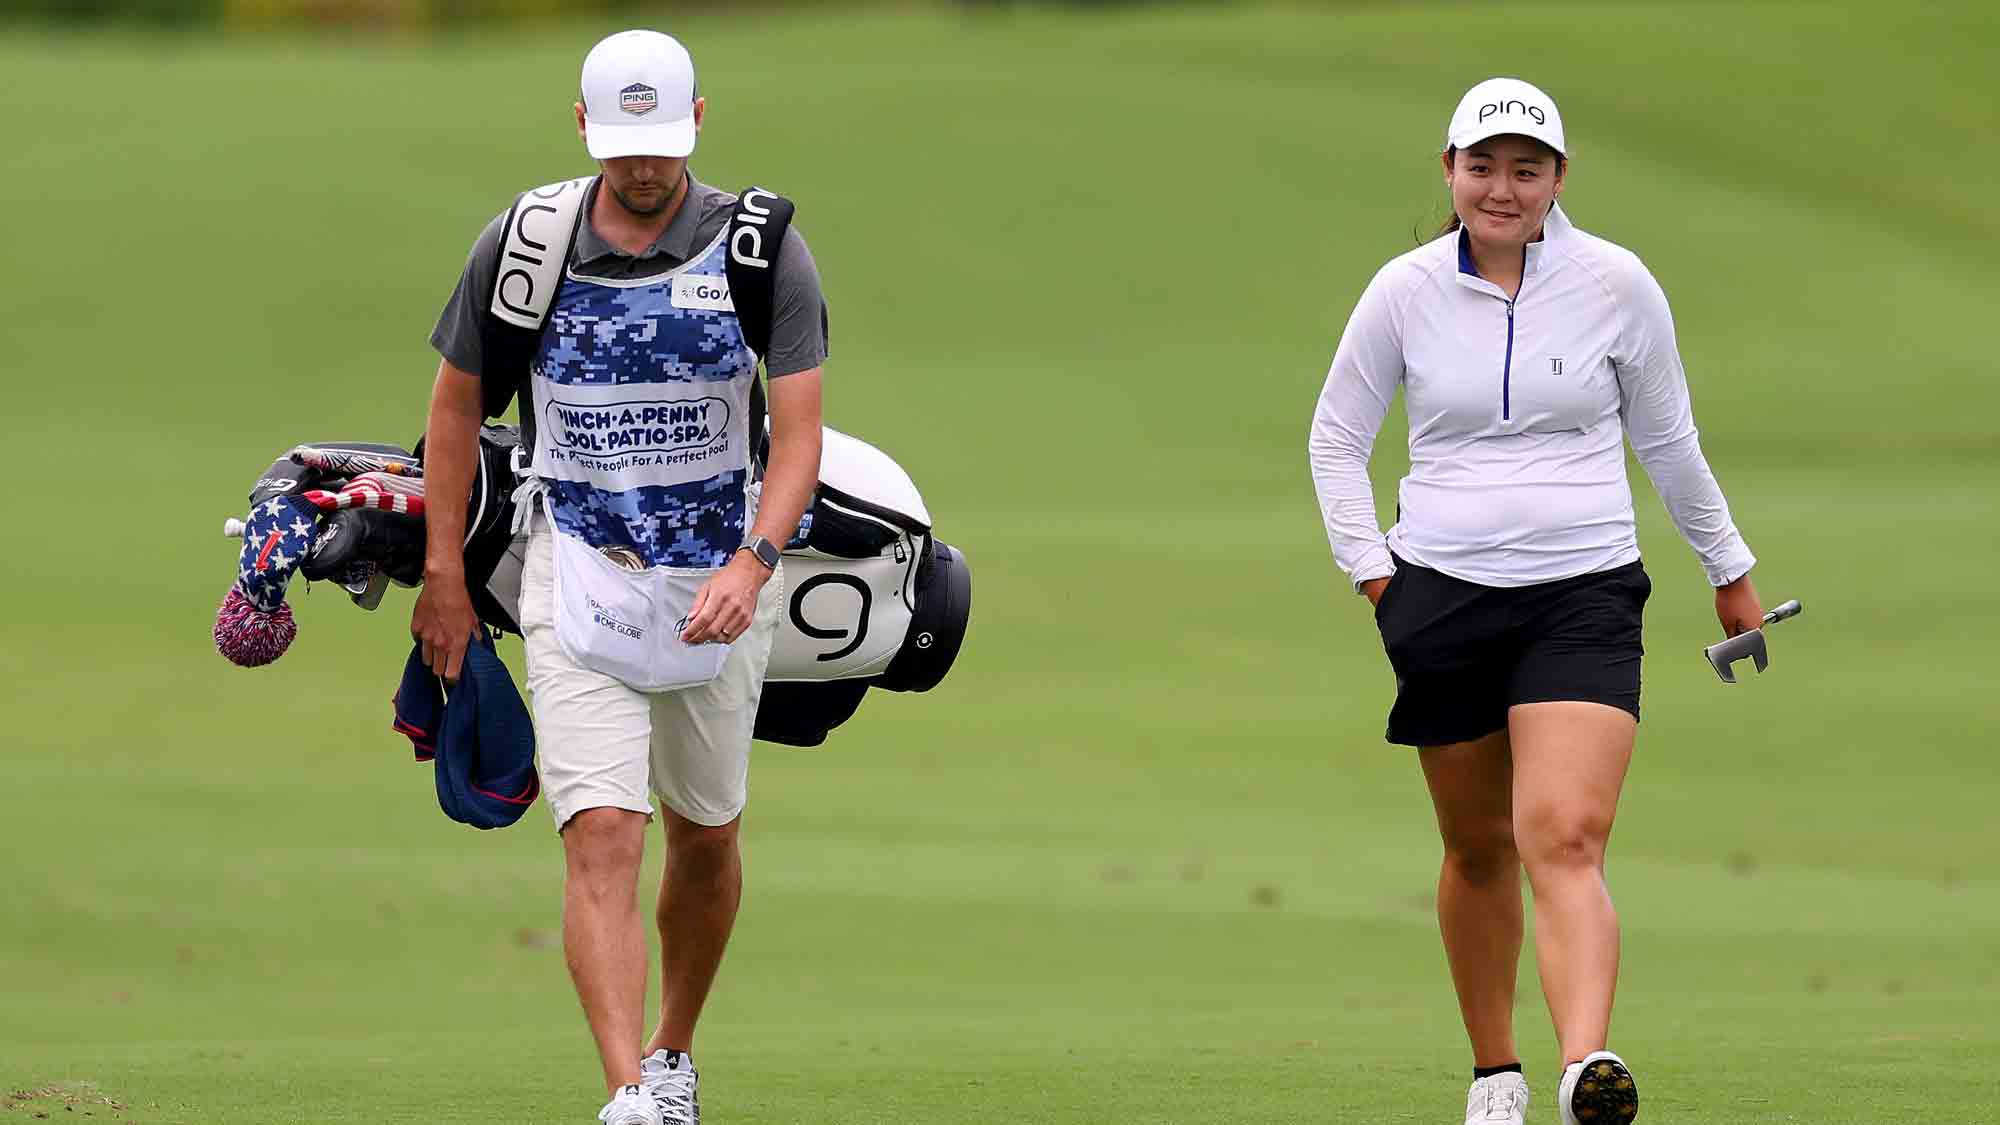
(642, 391)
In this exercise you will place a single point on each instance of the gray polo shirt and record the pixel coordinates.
(798, 318)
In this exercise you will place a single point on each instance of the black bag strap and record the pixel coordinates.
(757, 229)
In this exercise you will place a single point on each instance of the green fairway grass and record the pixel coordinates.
(1144, 857)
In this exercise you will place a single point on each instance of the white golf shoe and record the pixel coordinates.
(669, 1077)
(1497, 1098)
(1598, 1091)
(630, 1106)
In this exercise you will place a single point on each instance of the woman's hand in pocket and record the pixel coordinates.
(1372, 590)
(727, 602)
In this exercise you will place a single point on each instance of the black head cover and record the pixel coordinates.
(354, 536)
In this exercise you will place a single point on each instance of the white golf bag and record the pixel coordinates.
(872, 598)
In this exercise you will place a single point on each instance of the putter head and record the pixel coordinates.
(1750, 644)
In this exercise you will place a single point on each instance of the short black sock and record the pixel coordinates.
(1479, 1072)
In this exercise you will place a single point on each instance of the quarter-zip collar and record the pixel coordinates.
(1554, 228)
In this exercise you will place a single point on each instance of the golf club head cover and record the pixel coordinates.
(383, 491)
(254, 626)
(362, 536)
(352, 459)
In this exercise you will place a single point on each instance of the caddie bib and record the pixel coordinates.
(641, 394)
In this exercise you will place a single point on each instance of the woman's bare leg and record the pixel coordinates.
(1569, 766)
(1479, 887)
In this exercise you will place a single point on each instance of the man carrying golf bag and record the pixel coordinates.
(651, 586)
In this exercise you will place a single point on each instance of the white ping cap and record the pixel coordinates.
(1505, 105)
(638, 97)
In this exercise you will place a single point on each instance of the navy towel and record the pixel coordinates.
(479, 735)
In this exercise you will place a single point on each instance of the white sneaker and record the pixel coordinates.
(631, 1106)
(1497, 1097)
(669, 1076)
(1598, 1091)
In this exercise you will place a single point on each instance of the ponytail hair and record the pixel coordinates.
(1451, 222)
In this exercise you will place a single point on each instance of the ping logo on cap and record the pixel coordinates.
(1513, 105)
(638, 99)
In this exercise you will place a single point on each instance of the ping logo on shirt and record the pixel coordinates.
(1555, 365)
(1513, 105)
(695, 291)
(638, 99)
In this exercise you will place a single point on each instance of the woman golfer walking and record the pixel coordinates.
(1509, 592)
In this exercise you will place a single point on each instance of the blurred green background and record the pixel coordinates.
(1144, 856)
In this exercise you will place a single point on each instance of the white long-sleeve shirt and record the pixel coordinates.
(1518, 410)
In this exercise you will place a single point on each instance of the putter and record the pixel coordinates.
(1749, 643)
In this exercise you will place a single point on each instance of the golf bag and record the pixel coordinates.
(873, 599)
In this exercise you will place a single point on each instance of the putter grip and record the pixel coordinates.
(1788, 609)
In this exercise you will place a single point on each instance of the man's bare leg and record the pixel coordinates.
(604, 939)
(699, 893)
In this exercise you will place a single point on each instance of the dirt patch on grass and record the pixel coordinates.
(78, 1098)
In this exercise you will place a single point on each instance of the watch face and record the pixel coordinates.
(766, 552)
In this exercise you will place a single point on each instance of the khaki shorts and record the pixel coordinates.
(600, 744)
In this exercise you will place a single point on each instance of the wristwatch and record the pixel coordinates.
(762, 550)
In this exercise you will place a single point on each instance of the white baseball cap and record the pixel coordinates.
(638, 97)
(1505, 105)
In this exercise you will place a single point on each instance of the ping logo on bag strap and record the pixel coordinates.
(534, 248)
(535, 240)
(746, 241)
(757, 229)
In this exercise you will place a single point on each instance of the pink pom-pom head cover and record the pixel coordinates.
(251, 637)
(254, 626)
